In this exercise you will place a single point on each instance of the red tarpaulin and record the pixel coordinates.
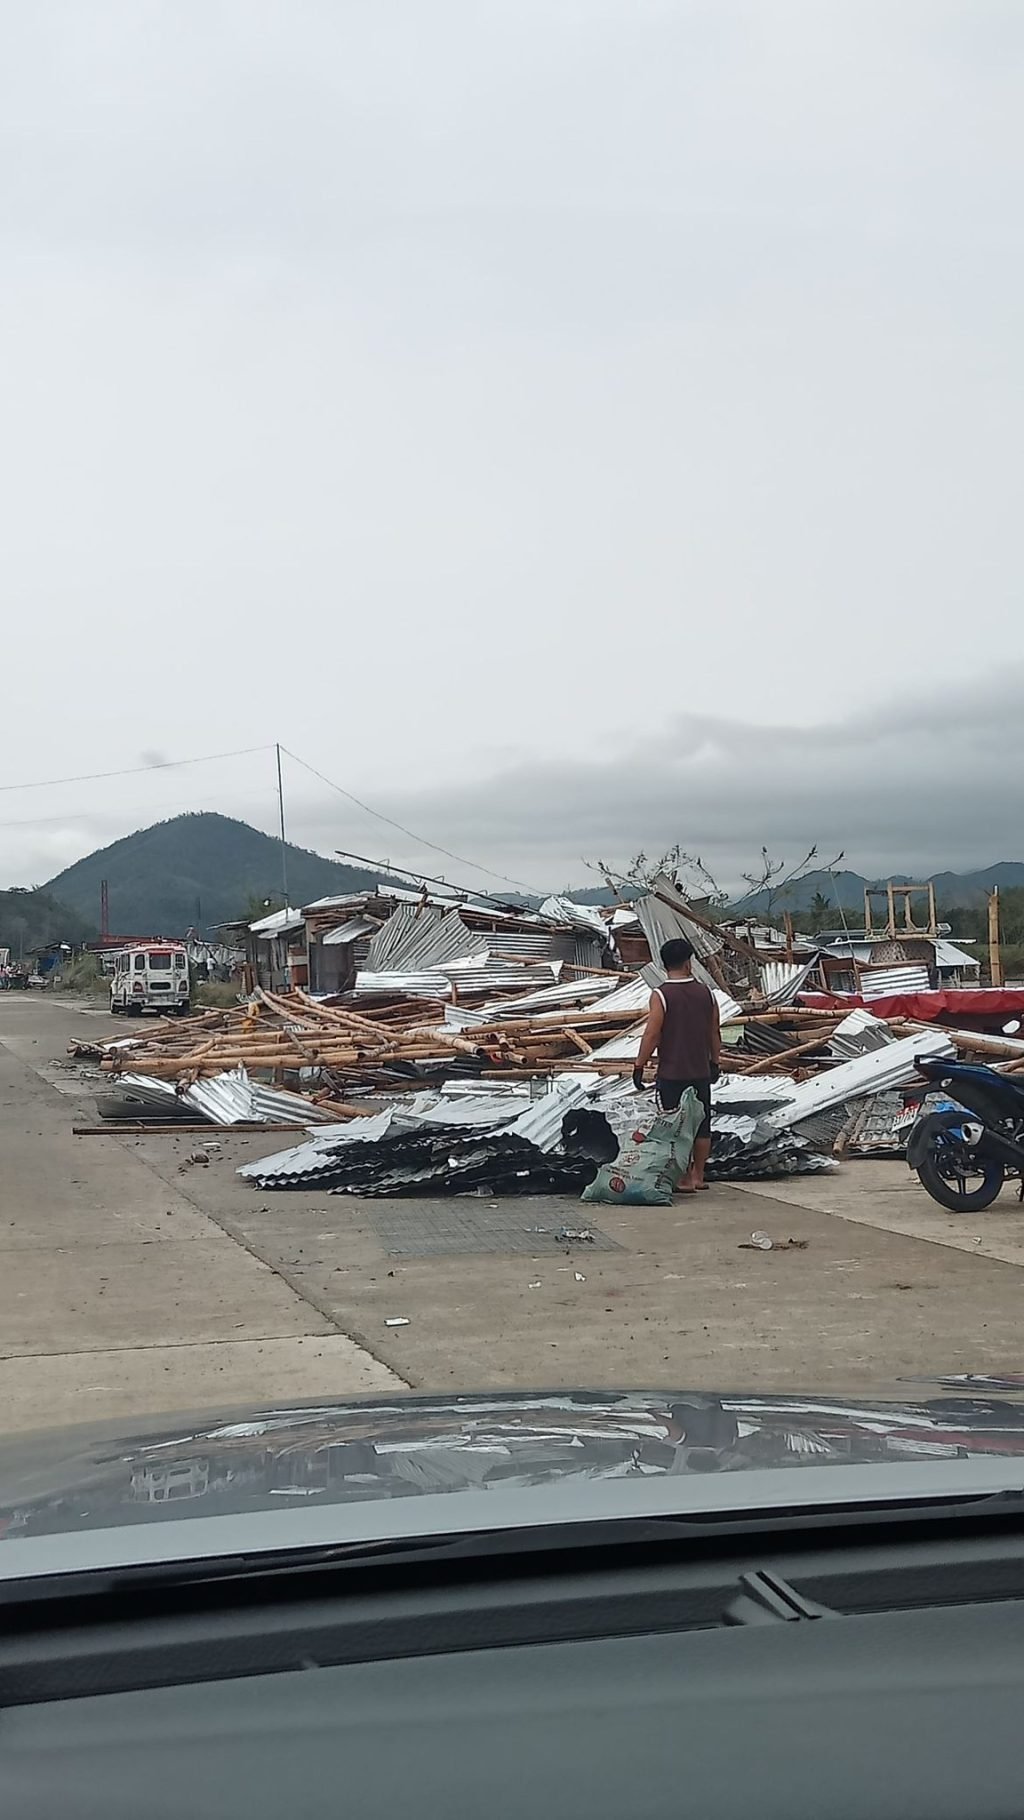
(926, 1007)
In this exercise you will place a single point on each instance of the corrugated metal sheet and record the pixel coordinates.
(280, 922)
(859, 1033)
(541, 1123)
(887, 982)
(878, 1072)
(948, 955)
(408, 932)
(578, 916)
(664, 917)
(349, 932)
(624, 1048)
(413, 985)
(782, 980)
(231, 1098)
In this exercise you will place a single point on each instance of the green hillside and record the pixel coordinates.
(195, 872)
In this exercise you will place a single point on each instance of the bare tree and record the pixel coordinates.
(773, 881)
(687, 870)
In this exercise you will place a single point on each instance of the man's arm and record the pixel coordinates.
(652, 1032)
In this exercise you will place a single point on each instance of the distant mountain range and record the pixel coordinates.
(953, 890)
(200, 870)
(195, 872)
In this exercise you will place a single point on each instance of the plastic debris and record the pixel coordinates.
(760, 1241)
(397, 1320)
(574, 1235)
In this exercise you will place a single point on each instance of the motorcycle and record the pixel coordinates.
(964, 1146)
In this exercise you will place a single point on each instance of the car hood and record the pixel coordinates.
(372, 1453)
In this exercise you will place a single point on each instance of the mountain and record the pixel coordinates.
(195, 872)
(31, 919)
(953, 890)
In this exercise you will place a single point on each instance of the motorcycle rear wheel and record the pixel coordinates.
(953, 1192)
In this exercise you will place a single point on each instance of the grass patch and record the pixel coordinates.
(84, 973)
(214, 994)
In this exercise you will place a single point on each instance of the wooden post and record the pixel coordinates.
(787, 920)
(995, 959)
(892, 911)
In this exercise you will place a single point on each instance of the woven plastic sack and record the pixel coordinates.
(652, 1163)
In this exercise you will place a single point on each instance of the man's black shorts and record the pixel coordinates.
(671, 1092)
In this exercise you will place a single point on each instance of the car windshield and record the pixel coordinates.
(539, 908)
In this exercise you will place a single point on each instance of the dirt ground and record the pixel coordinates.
(134, 1282)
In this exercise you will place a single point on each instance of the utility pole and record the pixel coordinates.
(995, 959)
(104, 909)
(284, 844)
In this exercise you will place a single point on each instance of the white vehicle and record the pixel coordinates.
(151, 978)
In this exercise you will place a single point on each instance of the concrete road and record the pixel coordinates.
(132, 1282)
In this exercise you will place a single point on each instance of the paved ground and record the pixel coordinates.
(132, 1283)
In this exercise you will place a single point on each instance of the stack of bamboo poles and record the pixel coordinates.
(281, 1034)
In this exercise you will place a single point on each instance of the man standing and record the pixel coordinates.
(682, 1026)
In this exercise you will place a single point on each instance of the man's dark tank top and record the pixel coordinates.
(684, 1047)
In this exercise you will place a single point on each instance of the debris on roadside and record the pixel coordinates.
(437, 1043)
(762, 1241)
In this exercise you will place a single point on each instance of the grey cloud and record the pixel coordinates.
(925, 784)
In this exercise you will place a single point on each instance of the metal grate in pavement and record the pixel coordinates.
(421, 1232)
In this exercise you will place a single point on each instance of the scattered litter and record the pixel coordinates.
(580, 1278)
(534, 1285)
(396, 1320)
(760, 1241)
(574, 1235)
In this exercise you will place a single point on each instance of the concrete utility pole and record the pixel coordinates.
(284, 844)
(995, 959)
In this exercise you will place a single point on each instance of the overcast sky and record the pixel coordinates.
(569, 426)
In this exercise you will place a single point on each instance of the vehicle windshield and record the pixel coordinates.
(538, 906)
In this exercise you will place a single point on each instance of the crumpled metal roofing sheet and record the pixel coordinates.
(661, 920)
(409, 931)
(314, 1157)
(150, 1092)
(578, 916)
(541, 1123)
(859, 1033)
(782, 980)
(875, 1073)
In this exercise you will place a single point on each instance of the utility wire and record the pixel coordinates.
(164, 764)
(416, 838)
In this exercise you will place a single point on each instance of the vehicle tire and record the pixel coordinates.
(953, 1193)
(184, 1010)
(115, 1009)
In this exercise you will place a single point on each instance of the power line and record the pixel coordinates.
(417, 839)
(164, 764)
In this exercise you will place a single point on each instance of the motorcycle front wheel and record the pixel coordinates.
(961, 1193)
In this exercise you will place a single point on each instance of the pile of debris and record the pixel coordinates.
(469, 1033)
